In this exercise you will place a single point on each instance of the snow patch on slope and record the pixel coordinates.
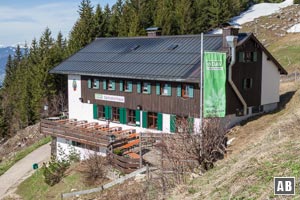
(294, 29)
(256, 11)
(259, 10)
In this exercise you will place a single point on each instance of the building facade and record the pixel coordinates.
(148, 83)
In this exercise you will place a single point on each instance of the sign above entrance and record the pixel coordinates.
(113, 98)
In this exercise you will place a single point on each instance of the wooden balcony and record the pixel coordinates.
(78, 131)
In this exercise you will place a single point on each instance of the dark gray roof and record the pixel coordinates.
(141, 57)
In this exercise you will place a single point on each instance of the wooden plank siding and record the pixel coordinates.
(150, 102)
(187, 106)
(240, 71)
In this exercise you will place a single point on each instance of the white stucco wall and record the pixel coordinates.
(197, 125)
(166, 123)
(270, 82)
(65, 146)
(78, 110)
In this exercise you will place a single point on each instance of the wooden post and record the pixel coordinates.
(140, 145)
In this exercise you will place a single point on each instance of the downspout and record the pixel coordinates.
(232, 40)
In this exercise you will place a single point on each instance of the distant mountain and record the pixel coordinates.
(4, 52)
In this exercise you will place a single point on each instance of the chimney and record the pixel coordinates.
(153, 31)
(229, 31)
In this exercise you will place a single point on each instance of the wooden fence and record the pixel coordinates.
(125, 165)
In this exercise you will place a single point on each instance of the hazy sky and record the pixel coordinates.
(22, 20)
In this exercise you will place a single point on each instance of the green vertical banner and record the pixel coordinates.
(214, 84)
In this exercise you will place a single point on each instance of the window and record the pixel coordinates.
(247, 56)
(115, 114)
(93, 83)
(152, 120)
(146, 89)
(126, 86)
(76, 144)
(163, 89)
(101, 112)
(247, 83)
(131, 116)
(186, 90)
(111, 85)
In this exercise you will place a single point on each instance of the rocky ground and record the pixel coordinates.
(269, 28)
(21, 140)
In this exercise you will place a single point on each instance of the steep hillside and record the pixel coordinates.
(272, 32)
(265, 147)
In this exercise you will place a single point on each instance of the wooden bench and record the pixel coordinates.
(133, 155)
(130, 144)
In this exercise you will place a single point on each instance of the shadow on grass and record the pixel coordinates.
(284, 100)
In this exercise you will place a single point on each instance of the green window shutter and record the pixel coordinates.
(169, 89)
(113, 85)
(124, 116)
(149, 88)
(138, 87)
(130, 86)
(159, 121)
(138, 117)
(104, 85)
(179, 90)
(158, 88)
(121, 85)
(121, 115)
(107, 112)
(145, 119)
(173, 123)
(95, 111)
(191, 125)
(255, 56)
(241, 57)
(89, 83)
(97, 83)
(191, 91)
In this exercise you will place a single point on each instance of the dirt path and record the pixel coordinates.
(22, 169)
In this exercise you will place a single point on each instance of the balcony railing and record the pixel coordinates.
(78, 131)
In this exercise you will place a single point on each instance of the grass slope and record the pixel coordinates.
(35, 187)
(263, 148)
(271, 31)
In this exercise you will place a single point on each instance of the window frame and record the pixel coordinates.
(185, 90)
(92, 83)
(152, 118)
(131, 117)
(126, 86)
(143, 87)
(162, 87)
(247, 83)
(101, 114)
(111, 85)
(115, 114)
